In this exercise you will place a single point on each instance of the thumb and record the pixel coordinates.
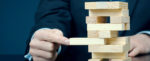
(134, 52)
(60, 40)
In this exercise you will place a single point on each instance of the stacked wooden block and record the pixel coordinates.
(103, 41)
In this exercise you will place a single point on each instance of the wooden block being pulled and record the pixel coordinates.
(95, 19)
(111, 12)
(110, 55)
(106, 5)
(108, 48)
(86, 41)
(100, 27)
(102, 34)
(119, 19)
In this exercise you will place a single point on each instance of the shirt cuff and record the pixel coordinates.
(29, 56)
(59, 50)
(144, 32)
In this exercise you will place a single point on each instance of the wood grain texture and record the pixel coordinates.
(93, 34)
(111, 12)
(102, 34)
(86, 41)
(117, 41)
(127, 26)
(95, 60)
(106, 5)
(110, 55)
(108, 34)
(119, 19)
(107, 26)
(127, 59)
(95, 19)
(108, 48)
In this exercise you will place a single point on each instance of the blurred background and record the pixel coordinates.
(16, 20)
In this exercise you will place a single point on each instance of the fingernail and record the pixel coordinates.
(129, 55)
(67, 41)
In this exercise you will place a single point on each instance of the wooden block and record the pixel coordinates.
(108, 34)
(95, 60)
(86, 41)
(102, 34)
(106, 26)
(119, 19)
(111, 12)
(95, 19)
(127, 59)
(108, 48)
(117, 41)
(93, 34)
(127, 26)
(106, 5)
(110, 55)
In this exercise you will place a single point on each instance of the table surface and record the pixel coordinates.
(20, 58)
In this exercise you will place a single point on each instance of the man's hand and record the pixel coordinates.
(44, 44)
(140, 44)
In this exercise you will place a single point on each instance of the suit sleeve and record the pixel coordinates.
(52, 14)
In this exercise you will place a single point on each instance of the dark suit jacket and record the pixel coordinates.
(69, 16)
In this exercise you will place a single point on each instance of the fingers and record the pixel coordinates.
(41, 53)
(43, 50)
(132, 46)
(36, 58)
(134, 52)
(59, 40)
(43, 45)
(55, 36)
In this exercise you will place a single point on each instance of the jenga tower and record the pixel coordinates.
(103, 41)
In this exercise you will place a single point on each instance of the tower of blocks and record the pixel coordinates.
(103, 40)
